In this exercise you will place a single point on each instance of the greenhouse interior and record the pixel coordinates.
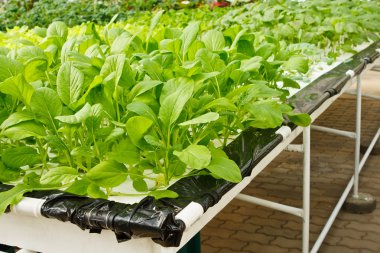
(213, 126)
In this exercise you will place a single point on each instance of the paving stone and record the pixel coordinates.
(337, 249)
(250, 237)
(286, 242)
(209, 249)
(250, 228)
(231, 244)
(366, 227)
(221, 232)
(360, 244)
(287, 233)
(259, 248)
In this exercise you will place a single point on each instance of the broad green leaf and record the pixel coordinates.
(56, 143)
(266, 50)
(287, 82)
(142, 87)
(82, 100)
(115, 133)
(67, 47)
(122, 43)
(35, 62)
(79, 187)
(9, 174)
(16, 118)
(260, 90)
(224, 168)
(46, 105)
(79, 117)
(137, 127)
(143, 110)
(221, 104)
(113, 69)
(9, 68)
(214, 40)
(108, 174)
(140, 185)
(237, 38)
(59, 175)
(17, 87)
(189, 34)
(159, 194)
(4, 51)
(70, 83)
(20, 156)
(57, 29)
(12, 196)
(82, 151)
(205, 118)
(94, 191)
(194, 48)
(93, 122)
(211, 62)
(153, 24)
(251, 65)
(30, 53)
(265, 114)
(297, 63)
(195, 156)
(24, 130)
(300, 119)
(125, 152)
(153, 69)
(154, 141)
(174, 96)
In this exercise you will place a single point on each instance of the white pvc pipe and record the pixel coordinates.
(306, 190)
(343, 133)
(270, 204)
(358, 133)
(28, 207)
(190, 214)
(284, 131)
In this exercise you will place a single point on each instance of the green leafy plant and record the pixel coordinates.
(154, 99)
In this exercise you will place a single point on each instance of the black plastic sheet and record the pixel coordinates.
(156, 218)
(310, 98)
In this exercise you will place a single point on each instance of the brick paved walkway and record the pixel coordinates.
(243, 227)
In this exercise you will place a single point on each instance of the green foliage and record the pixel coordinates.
(87, 108)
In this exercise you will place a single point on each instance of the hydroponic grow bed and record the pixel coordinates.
(84, 112)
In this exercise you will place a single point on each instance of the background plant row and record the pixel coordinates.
(42, 12)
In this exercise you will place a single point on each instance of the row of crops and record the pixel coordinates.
(156, 98)
(43, 12)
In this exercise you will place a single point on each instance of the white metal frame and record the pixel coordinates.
(304, 212)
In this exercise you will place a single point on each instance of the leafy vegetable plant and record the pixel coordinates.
(90, 108)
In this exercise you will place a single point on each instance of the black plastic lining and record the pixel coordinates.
(311, 97)
(148, 218)
(156, 218)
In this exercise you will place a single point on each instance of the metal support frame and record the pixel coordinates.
(304, 212)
